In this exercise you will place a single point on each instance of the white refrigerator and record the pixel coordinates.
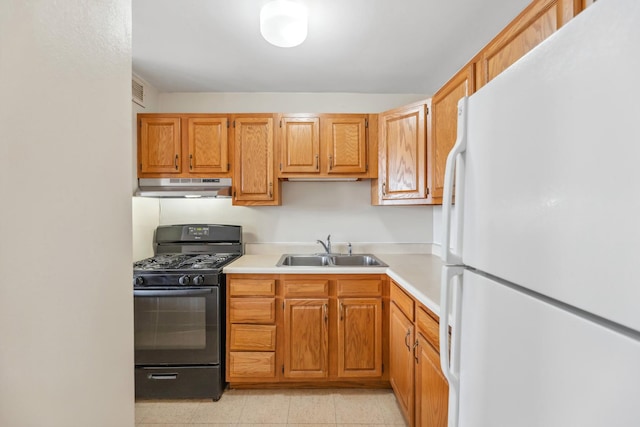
(541, 283)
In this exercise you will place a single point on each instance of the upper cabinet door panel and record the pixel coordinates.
(345, 140)
(159, 145)
(253, 169)
(300, 144)
(403, 144)
(444, 126)
(208, 145)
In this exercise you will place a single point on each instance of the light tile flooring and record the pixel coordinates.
(275, 408)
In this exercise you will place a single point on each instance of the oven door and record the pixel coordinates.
(177, 326)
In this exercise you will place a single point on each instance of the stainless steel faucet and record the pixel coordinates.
(326, 246)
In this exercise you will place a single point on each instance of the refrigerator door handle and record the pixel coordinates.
(460, 146)
(450, 300)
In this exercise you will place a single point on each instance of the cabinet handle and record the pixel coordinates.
(326, 315)
(271, 190)
(384, 188)
(415, 355)
(330, 162)
(341, 311)
(190, 161)
(317, 162)
(175, 162)
(406, 341)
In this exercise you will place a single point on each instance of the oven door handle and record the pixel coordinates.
(171, 292)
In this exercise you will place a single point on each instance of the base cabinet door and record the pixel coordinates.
(401, 339)
(432, 389)
(306, 338)
(359, 337)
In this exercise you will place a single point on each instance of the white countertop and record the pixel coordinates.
(418, 274)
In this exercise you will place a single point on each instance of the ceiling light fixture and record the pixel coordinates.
(283, 23)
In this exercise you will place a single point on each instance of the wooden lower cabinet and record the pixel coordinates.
(417, 380)
(251, 329)
(432, 389)
(359, 337)
(306, 338)
(307, 330)
(401, 338)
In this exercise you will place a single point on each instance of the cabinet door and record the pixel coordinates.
(253, 164)
(401, 339)
(306, 338)
(432, 389)
(300, 145)
(402, 157)
(345, 142)
(537, 22)
(208, 144)
(444, 122)
(359, 337)
(159, 145)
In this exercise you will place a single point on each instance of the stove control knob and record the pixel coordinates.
(184, 280)
(198, 280)
(138, 281)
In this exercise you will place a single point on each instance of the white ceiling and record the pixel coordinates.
(360, 46)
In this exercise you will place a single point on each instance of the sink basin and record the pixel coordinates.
(357, 260)
(303, 261)
(324, 260)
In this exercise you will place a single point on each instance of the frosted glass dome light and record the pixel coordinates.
(283, 23)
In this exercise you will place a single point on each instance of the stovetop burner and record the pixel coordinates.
(172, 261)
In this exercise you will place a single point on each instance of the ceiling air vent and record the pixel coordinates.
(137, 91)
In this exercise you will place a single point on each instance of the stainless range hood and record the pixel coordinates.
(184, 187)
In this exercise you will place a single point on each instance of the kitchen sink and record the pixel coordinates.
(329, 260)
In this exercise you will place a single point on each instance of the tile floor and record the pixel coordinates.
(276, 408)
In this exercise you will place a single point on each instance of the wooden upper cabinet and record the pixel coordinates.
(324, 146)
(254, 180)
(159, 145)
(537, 22)
(345, 140)
(300, 144)
(402, 156)
(183, 145)
(444, 122)
(208, 144)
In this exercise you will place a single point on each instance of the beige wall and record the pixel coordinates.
(66, 315)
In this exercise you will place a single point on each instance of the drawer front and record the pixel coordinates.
(306, 288)
(402, 300)
(429, 328)
(252, 364)
(360, 287)
(252, 310)
(252, 337)
(252, 287)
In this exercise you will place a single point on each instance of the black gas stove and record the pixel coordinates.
(189, 255)
(179, 311)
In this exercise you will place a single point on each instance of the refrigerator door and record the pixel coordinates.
(527, 363)
(552, 173)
